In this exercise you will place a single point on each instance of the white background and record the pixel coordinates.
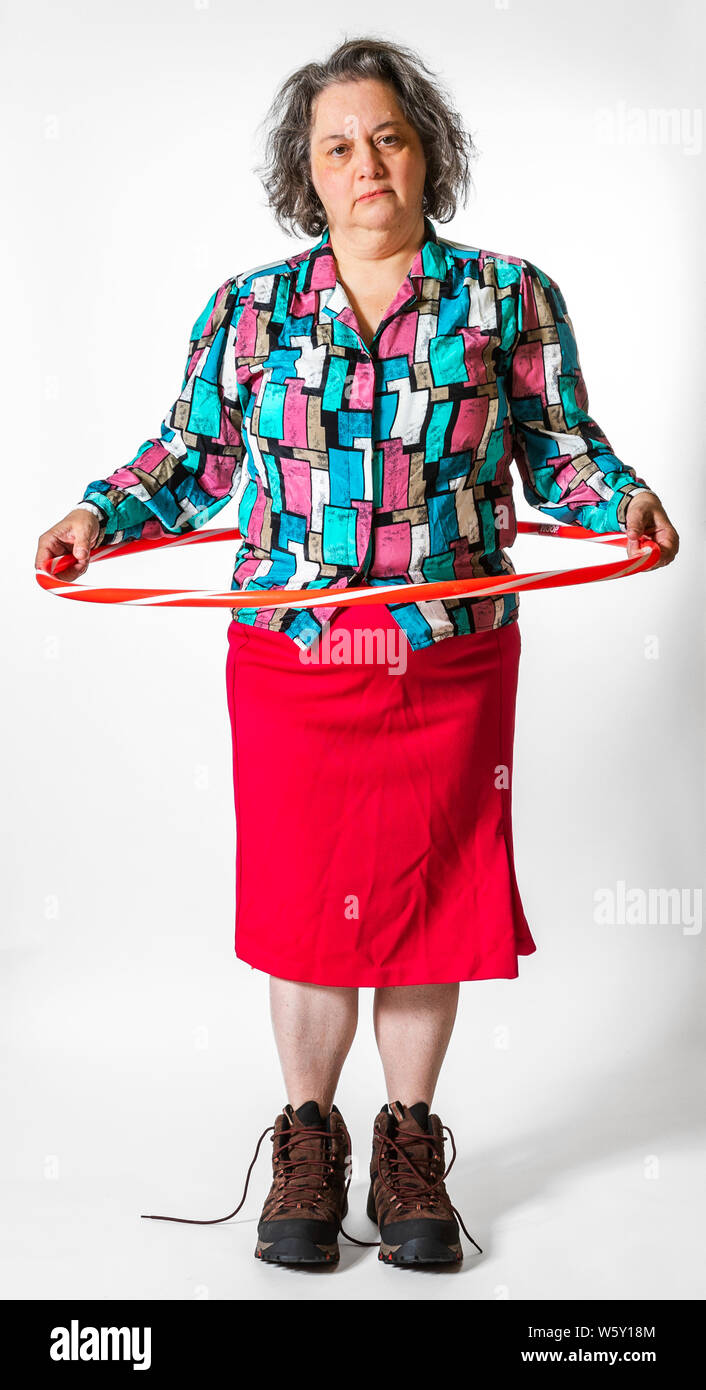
(139, 1065)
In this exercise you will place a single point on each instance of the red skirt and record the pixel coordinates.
(373, 805)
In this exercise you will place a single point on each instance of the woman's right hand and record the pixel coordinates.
(75, 535)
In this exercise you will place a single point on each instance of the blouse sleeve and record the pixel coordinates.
(180, 478)
(566, 464)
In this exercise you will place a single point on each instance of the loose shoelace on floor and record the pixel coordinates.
(305, 1132)
(403, 1195)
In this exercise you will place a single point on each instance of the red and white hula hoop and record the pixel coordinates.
(646, 558)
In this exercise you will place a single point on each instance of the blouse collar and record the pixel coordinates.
(317, 268)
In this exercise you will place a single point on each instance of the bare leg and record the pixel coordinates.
(314, 1026)
(413, 1025)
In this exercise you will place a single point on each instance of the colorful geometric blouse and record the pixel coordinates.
(350, 464)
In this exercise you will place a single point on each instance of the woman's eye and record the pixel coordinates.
(344, 147)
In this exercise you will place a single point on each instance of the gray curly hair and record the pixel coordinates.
(286, 171)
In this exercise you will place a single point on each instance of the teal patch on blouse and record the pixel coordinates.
(335, 383)
(272, 410)
(447, 360)
(204, 316)
(205, 413)
(436, 430)
(338, 538)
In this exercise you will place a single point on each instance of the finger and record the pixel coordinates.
(668, 542)
(73, 569)
(51, 552)
(67, 544)
(82, 559)
(666, 534)
(634, 541)
(48, 551)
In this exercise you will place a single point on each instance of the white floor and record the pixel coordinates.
(556, 1217)
(575, 1096)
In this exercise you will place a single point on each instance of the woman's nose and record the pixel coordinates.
(369, 162)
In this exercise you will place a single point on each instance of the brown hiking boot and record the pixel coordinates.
(308, 1198)
(407, 1197)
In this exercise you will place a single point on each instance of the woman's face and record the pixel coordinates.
(361, 142)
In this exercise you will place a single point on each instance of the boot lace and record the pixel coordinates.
(300, 1178)
(401, 1190)
(293, 1170)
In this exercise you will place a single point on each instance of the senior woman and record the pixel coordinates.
(362, 401)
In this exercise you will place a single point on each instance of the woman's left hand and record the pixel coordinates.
(646, 516)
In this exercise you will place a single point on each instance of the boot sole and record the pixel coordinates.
(296, 1250)
(423, 1250)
